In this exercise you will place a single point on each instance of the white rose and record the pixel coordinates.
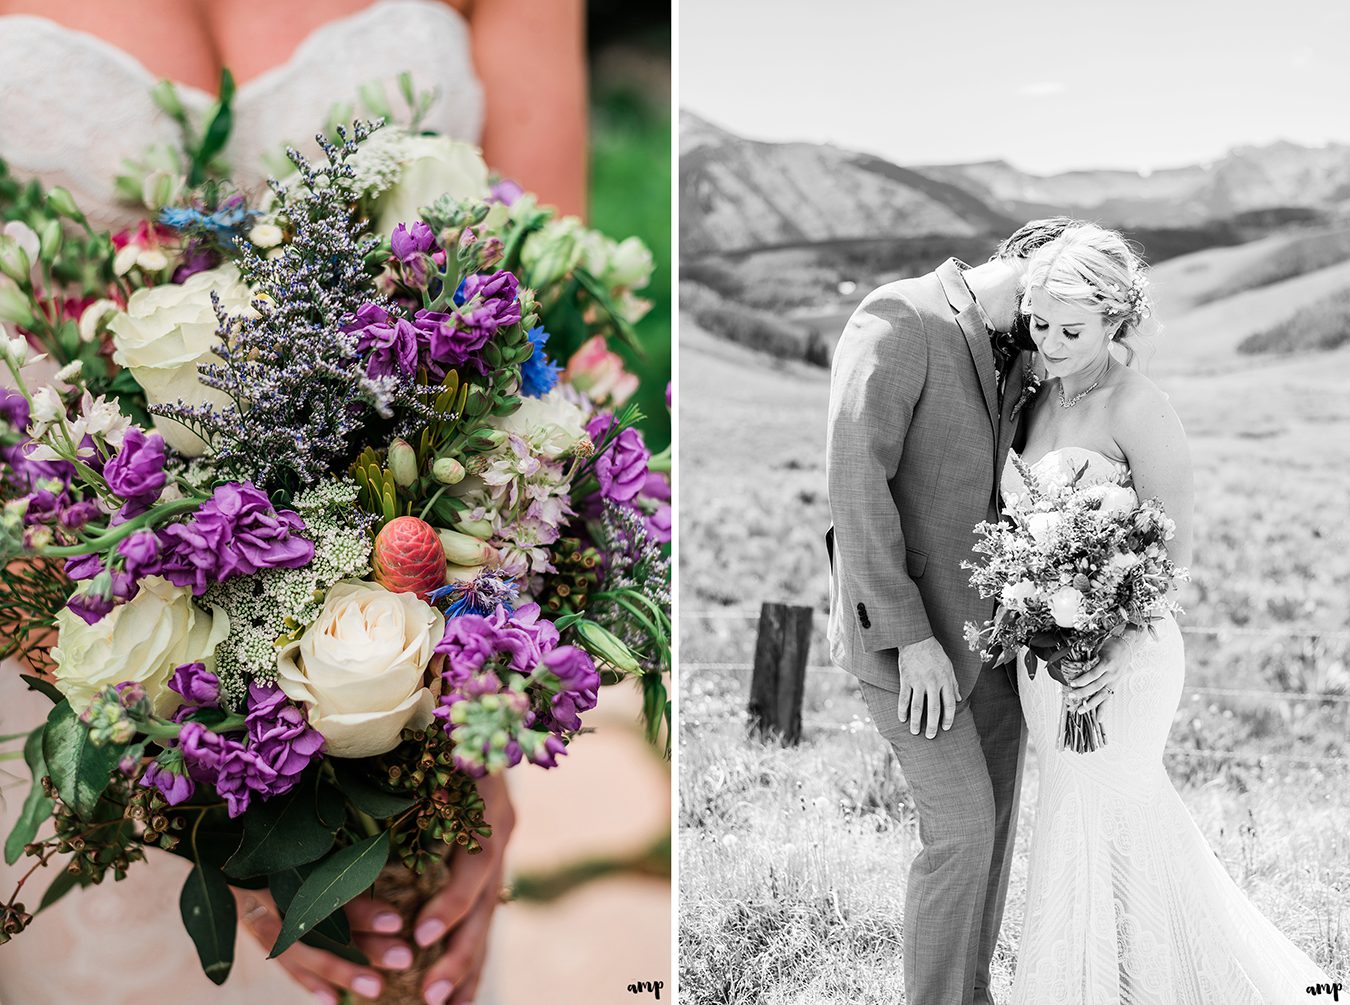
(165, 332)
(432, 166)
(1041, 526)
(1065, 607)
(1122, 562)
(143, 640)
(551, 424)
(1113, 498)
(361, 668)
(1016, 595)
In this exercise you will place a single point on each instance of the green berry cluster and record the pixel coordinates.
(576, 574)
(449, 810)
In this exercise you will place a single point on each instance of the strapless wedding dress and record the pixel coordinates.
(71, 108)
(1126, 902)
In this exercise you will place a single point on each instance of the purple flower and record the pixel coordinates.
(136, 472)
(198, 258)
(390, 344)
(84, 567)
(280, 737)
(240, 774)
(622, 468)
(77, 514)
(202, 751)
(498, 303)
(407, 242)
(523, 636)
(141, 552)
(505, 191)
(657, 488)
(469, 642)
(577, 682)
(95, 599)
(176, 786)
(235, 533)
(14, 409)
(196, 684)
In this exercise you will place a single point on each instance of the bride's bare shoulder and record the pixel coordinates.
(1135, 393)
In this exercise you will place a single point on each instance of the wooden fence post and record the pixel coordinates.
(779, 679)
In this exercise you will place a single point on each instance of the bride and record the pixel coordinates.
(1126, 903)
(75, 81)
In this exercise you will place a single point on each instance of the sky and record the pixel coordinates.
(1048, 85)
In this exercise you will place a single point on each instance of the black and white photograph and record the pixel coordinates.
(1014, 598)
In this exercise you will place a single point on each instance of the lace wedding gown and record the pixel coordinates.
(72, 107)
(1126, 902)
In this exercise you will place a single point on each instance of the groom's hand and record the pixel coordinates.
(926, 676)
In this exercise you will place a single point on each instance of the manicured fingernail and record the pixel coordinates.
(429, 931)
(398, 957)
(366, 985)
(326, 996)
(439, 992)
(388, 921)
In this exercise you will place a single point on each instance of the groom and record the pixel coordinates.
(923, 386)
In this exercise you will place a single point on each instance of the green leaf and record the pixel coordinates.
(64, 882)
(279, 833)
(44, 686)
(367, 795)
(332, 806)
(333, 883)
(37, 807)
(79, 769)
(285, 884)
(209, 916)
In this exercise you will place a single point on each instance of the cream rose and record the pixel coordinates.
(1016, 595)
(1066, 606)
(362, 668)
(1113, 498)
(432, 166)
(165, 332)
(143, 640)
(1042, 525)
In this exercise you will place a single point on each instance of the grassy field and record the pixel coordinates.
(793, 862)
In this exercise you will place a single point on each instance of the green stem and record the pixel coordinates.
(427, 508)
(123, 531)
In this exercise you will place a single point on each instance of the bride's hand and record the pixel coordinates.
(464, 908)
(373, 924)
(1099, 683)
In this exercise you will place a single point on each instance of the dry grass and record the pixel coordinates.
(793, 862)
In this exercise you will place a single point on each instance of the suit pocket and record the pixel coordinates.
(915, 563)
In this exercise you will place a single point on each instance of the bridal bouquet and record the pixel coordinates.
(311, 531)
(1073, 567)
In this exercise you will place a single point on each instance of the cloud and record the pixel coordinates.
(1041, 89)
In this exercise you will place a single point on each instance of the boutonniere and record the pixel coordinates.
(1031, 383)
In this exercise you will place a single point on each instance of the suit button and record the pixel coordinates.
(862, 616)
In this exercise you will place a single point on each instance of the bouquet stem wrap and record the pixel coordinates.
(1081, 732)
(408, 893)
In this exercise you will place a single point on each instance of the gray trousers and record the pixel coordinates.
(965, 783)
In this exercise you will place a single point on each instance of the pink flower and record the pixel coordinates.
(599, 373)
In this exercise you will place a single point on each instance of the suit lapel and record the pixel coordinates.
(977, 336)
(1008, 424)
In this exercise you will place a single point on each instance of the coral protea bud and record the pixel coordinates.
(408, 557)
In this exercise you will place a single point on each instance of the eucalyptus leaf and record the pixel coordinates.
(332, 884)
(79, 770)
(209, 916)
(285, 884)
(44, 686)
(64, 882)
(279, 833)
(37, 807)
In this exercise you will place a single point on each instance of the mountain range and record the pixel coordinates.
(738, 194)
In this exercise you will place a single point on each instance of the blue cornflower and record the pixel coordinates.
(224, 222)
(459, 292)
(538, 374)
(481, 595)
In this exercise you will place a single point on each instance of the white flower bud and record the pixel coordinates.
(447, 471)
(71, 372)
(266, 235)
(93, 316)
(152, 260)
(463, 549)
(125, 259)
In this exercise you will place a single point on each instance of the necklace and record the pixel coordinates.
(1066, 402)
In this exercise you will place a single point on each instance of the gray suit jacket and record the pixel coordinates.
(915, 446)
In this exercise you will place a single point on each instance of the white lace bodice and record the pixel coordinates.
(74, 126)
